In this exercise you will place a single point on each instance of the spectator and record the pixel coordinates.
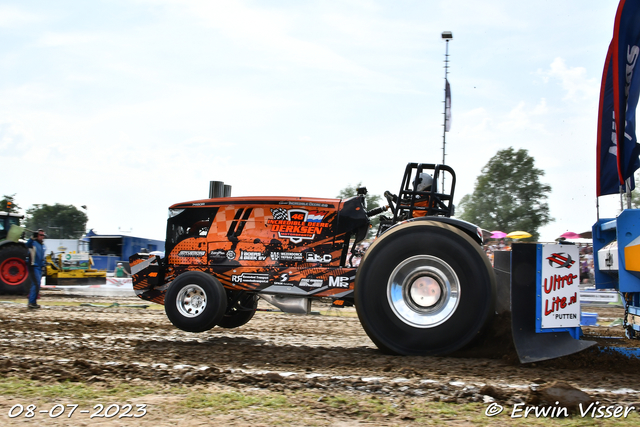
(36, 253)
(120, 272)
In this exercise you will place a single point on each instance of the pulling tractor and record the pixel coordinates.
(423, 287)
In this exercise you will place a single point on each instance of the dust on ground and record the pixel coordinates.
(278, 352)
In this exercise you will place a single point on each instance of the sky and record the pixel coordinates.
(129, 106)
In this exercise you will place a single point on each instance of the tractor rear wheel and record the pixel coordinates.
(424, 288)
(195, 301)
(15, 274)
(240, 313)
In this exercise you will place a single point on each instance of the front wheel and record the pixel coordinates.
(195, 301)
(424, 288)
(240, 312)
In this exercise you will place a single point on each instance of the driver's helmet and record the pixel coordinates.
(424, 181)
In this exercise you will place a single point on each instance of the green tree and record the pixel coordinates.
(58, 221)
(7, 204)
(508, 195)
(371, 201)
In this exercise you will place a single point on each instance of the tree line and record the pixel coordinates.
(58, 221)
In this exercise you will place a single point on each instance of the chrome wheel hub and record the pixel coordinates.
(423, 291)
(191, 301)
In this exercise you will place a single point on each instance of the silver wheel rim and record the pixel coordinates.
(423, 291)
(191, 301)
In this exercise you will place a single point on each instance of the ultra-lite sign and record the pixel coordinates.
(558, 287)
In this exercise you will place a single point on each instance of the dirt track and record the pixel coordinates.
(278, 352)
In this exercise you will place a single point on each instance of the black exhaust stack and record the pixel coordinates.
(219, 189)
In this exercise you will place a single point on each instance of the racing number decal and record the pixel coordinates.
(297, 224)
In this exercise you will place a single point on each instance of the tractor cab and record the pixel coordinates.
(10, 226)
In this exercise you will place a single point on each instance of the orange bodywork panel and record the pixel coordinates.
(274, 245)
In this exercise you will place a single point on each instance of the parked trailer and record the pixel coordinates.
(107, 250)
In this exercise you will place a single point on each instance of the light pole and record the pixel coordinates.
(446, 35)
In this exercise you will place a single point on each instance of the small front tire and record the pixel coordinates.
(195, 301)
(241, 312)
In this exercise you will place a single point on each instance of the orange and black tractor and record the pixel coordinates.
(423, 287)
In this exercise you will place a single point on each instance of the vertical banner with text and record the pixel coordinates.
(559, 287)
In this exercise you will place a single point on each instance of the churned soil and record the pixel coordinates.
(327, 353)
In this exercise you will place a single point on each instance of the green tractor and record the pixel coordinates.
(14, 269)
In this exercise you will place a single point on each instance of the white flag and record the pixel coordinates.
(447, 106)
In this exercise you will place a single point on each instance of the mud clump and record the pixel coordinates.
(559, 394)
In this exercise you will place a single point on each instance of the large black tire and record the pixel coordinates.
(240, 313)
(15, 274)
(424, 288)
(195, 301)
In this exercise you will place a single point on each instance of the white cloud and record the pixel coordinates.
(55, 39)
(573, 80)
(280, 40)
(541, 108)
(15, 17)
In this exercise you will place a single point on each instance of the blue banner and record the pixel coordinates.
(608, 181)
(626, 84)
(626, 36)
(618, 100)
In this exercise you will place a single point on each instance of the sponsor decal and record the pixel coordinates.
(283, 280)
(250, 278)
(311, 283)
(218, 255)
(560, 259)
(252, 256)
(231, 255)
(197, 204)
(339, 282)
(323, 259)
(317, 205)
(297, 224)
(558, 299)
(191, 253)
(286, 256)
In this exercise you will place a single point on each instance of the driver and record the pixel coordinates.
(424, 182)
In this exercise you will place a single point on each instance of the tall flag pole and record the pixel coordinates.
(446, 35)
(617, 147)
